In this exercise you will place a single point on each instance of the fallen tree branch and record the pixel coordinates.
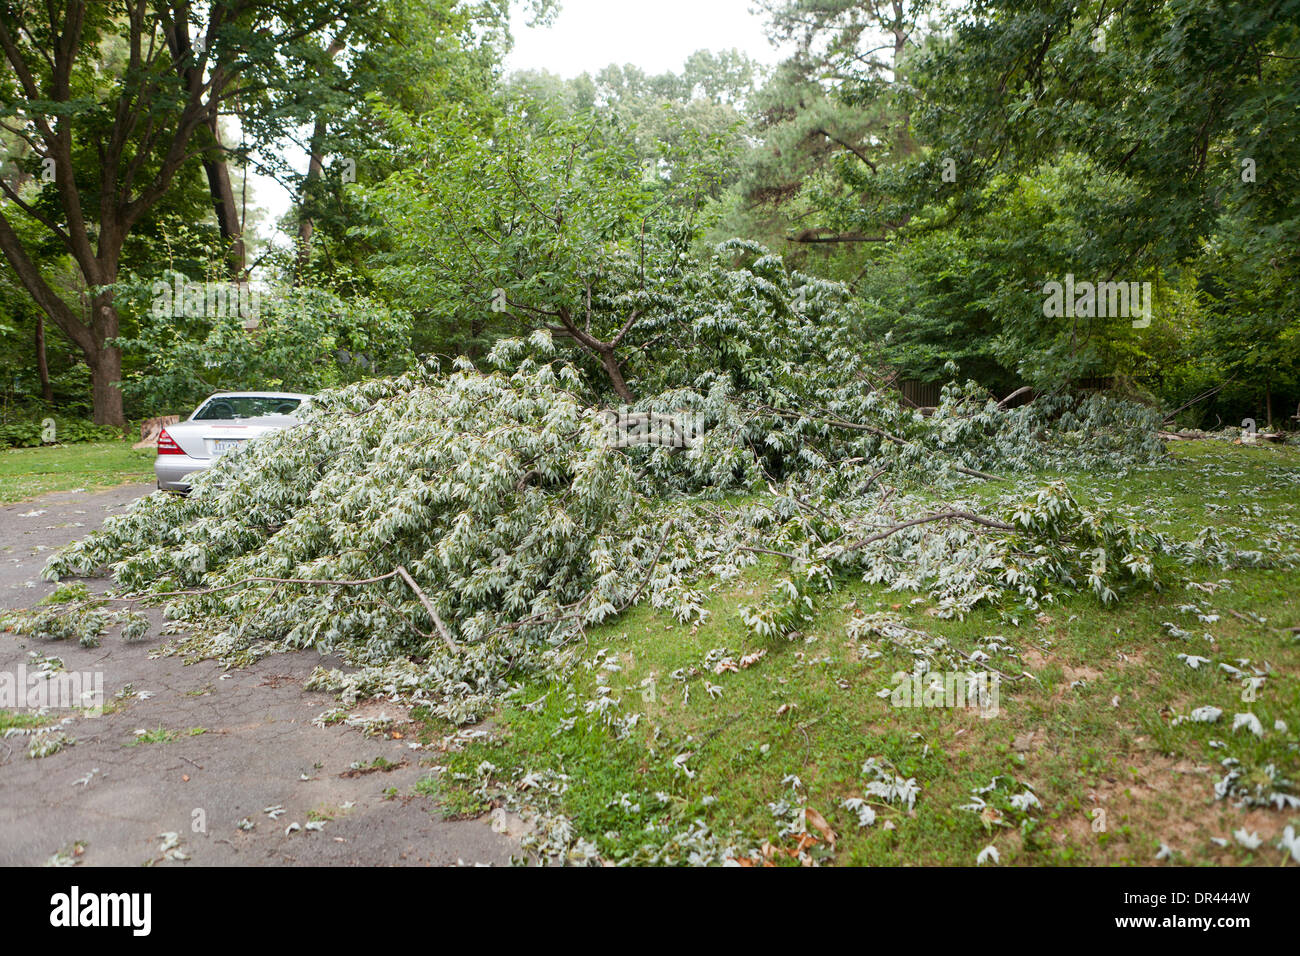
(428, 606)
(570, 609)
(858, 426)
(940, 516)
(654, 563)
(399, 571)
(1016, 394)
(780, 554)
(976, 474)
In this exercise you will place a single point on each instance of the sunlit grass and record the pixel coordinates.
(30, 472)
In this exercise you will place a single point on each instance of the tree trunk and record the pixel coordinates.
(315, 167)
(105, 378)
(610, 361)
(223, 202)
(42, 365)
(904, 143)
(213, 160)
(105, 361)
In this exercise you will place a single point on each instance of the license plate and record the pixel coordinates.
(222, 445)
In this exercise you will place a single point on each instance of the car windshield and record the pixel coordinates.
(226, 407)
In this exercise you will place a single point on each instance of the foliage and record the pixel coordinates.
(47, 431)
(1011, 88)
(297, 339)
(520, 525)
(496, 492)
(539, 221)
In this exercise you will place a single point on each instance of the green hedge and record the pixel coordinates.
(32, 432)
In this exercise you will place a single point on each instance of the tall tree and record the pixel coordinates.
(1190, 107)
(141, 121)
(408, 54)
(833, 120)
(1179, 96)
(541, 222)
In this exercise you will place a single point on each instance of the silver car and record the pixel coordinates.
(223, 422)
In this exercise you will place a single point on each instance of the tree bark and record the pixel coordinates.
(42, 365)
(610, 361)
(223, 203)
(607, 352)
(105, 379)
(315, 168)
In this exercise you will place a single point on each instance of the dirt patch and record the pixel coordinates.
(1073, 674)
(1173, 799)
(372, 768)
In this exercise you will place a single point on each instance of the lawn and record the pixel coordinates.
(28, 472)
(1087, 723)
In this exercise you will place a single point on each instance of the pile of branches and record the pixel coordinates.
(455, 525)
(447, 533)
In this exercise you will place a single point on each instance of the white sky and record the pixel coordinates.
(656, 35)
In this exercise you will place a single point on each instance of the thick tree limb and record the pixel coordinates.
(940, 516)
(399, 571)
(858, 426)
(1014, 395)
(850, 147)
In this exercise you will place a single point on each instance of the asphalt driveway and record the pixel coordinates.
(230, 759)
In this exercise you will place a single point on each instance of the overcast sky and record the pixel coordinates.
(656, 35)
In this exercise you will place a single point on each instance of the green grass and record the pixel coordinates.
(22, 720)
(1093, 727)
(159, 735)
(29, 472)
(451, 802)
(327, 812)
